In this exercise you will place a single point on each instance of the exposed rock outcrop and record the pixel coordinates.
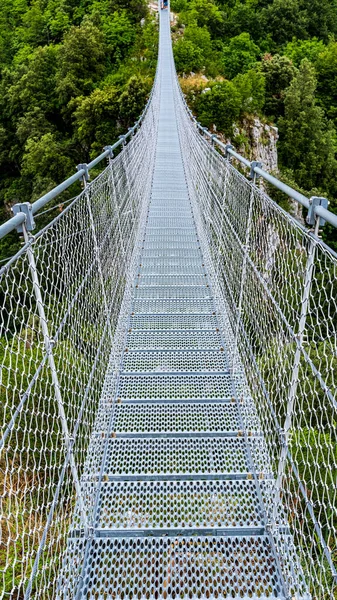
(260, 142)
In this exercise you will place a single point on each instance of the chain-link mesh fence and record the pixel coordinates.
(64, 299)
(277, 283)
(61, 297)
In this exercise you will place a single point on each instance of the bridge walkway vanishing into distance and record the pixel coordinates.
(170, 408)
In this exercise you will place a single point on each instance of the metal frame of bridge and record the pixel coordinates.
(180, 506)
(169, 407)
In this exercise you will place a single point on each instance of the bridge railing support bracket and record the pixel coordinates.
(313, 203)
(86, 176)
(227, 148)
(27, 209)
(253, 165)
(110, 155)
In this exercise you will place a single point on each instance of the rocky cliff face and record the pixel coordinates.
(259, 143)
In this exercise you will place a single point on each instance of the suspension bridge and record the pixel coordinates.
(168, 345)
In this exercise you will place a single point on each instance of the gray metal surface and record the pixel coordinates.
(176, 460)
(169, 404)
(175, 477)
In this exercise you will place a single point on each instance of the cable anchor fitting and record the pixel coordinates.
(253, 165)
(27, 209)
(313, 203)
(226, 151)
(86, 175)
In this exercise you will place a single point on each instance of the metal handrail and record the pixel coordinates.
(316, 206)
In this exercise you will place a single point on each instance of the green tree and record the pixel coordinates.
(131, 101)
(137, 9)
(285, 19)
(326, 66)
(321, 18)
(187, 56)
(278, 72)
(46, 163)
(200, 37)
(297, 50)
(251, 87)
(307, 139)
(119, 33)
(96, 118)
(220, 106)
(239, 55)
(81, 62)
(33, 83)
(204, 13)
(243, 17)
(178, 5)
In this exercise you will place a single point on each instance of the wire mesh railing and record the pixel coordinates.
(278, 283)
(61, 297)
(275, 287)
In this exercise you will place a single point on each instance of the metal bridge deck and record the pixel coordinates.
(180, 512)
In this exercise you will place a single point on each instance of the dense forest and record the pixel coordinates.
(273, 58)
(74, 74)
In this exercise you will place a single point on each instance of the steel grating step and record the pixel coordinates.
(153, 251)
(143, 458)
(174, 567)
(189, 248)
(161, 292)
(174, 419)
(161, 210)
(178, 191)
(186, 264)
(171, 280)
(179, 457)
(174, 340)
(143, 387)
(182, 505)
(171, 266)
(142, 306)
(181, 361)
(171, 322)
(174, 236)
(172, 196)
(170, 222)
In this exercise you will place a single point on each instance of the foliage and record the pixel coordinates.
(314, 163)
(285, 19)
(297, 50)
(252, 88)
(219, 106)
(187, 56)
(326, 65)
(260, 46)
(239, 55)
(279, 72)
(73, 76)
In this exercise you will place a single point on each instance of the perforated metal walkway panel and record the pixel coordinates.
(180, 511)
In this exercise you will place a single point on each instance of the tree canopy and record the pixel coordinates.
(276, 59)
(73, 76)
